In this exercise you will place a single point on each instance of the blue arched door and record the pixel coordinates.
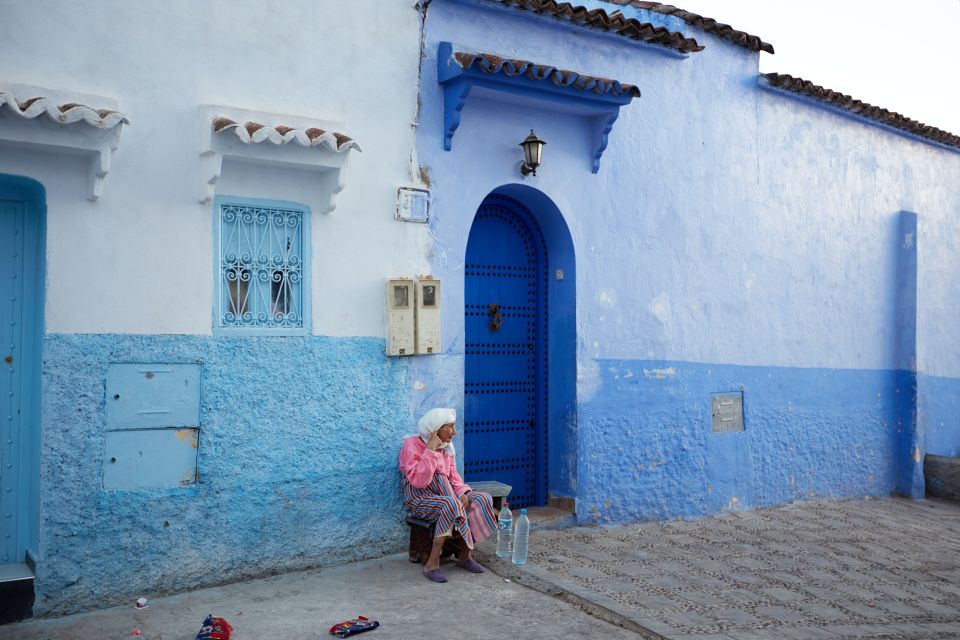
(505, 393)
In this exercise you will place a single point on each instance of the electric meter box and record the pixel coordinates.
(400, 317)
(428, 315)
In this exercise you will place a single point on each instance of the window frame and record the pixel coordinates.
(305, 282)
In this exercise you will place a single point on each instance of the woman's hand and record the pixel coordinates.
(434, 442)
(465, 501)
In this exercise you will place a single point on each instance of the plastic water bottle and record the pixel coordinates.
(521, 537)
(504, 531)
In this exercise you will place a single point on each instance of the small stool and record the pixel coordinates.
(497, 490)
(421, 541)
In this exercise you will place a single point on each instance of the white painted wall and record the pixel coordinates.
(139, 260)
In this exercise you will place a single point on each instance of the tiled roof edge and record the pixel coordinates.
(859, 108)
(67, 113)
(617, 23)
(489, 63)
(255, 132)
(711, 26)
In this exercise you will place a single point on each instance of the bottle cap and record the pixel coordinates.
(523, 510)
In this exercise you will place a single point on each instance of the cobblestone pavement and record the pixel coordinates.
(877, 569)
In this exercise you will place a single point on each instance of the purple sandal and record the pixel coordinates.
(471, 565)
(435, 575)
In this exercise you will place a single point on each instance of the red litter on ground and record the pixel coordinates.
(214, 629)
(350, 627)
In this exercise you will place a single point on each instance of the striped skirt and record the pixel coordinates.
(438, 503)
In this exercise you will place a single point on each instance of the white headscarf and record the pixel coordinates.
(433, 420)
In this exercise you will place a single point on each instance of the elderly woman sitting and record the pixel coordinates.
(435, 492)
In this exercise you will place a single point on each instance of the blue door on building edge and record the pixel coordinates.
(504, 369)
(20, 280)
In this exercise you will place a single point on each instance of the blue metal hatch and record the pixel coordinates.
(505, 372)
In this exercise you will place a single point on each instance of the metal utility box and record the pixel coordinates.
(727, 412)
(428, 315)
(400, 317)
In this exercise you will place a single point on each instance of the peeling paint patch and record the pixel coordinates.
(660, 307)
(733, 504)
(659, 374)
(189, 477)
(188, 436)
(908, 241)
(588, 380)
(607, 297)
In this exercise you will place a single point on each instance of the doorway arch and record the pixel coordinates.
(520, 348)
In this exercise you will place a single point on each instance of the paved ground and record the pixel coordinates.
(864, 569)
(878, 569)
(304, 605)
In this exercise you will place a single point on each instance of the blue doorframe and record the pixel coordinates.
(22, 262)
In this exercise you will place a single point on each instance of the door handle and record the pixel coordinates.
(496, 321)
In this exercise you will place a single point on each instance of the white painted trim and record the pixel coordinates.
(23, 126)
(320, 155)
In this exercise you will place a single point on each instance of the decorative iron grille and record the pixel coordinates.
(261, 267)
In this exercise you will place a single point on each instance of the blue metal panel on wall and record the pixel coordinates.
(504, 393)
(153, 395)
(150, 458)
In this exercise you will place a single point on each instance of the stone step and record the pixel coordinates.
(16, 592)
(547, 518)
(942, 476)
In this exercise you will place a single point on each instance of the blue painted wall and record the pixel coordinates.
(809, 433)
(940, 410)
(733, 236)
(294, 433)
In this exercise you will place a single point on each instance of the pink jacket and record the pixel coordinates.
(419, 464)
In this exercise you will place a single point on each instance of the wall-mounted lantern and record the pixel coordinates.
(532, 154)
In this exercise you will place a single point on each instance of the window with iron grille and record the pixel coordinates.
(262, 267)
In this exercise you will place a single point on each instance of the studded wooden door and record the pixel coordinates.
(18, 368)
(504, 370)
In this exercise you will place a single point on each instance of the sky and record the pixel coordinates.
(900, 55)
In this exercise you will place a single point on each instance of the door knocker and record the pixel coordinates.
(496, 321)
